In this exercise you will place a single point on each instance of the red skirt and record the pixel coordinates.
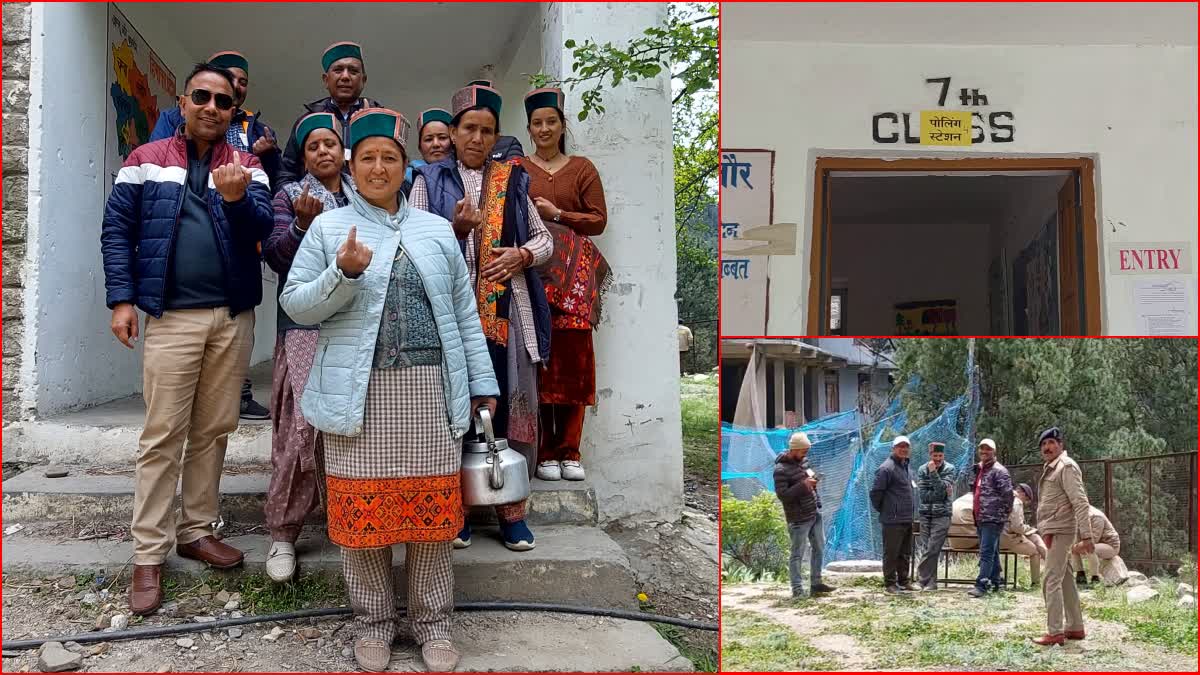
(570, 376)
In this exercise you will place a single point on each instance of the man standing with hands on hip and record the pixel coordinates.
(796, 487)
(1065, 523)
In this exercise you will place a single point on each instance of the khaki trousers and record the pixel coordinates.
(1058, 588)
(193, 365)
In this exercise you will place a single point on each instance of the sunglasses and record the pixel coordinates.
(203, 96)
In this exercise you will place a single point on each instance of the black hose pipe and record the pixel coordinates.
(148, 632)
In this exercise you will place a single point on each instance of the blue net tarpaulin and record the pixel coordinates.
(848, 465)
(748, 457)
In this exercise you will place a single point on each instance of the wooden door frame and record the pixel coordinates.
(820, 252)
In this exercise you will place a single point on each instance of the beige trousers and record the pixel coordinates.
(193, 365)
(1058, 588)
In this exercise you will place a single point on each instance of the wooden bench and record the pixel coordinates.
(1009, 560)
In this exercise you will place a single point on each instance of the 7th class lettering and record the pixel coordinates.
(1150, 259)
(890, 127)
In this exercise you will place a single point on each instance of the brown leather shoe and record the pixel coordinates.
(145, 593)
(1048, 640)
(1075, 634)
(212, 551)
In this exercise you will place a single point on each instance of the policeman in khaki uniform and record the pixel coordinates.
(1066, 525)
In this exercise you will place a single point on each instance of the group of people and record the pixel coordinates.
(412, 293)
(991, 516)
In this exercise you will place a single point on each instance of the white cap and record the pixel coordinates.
(900, 439)
(799, 440)
(988, 442)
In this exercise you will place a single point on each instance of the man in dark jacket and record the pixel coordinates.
(992, 506)
(246, 133)
(935, 487)
(179, 241)
(796, 487)
(344, 73)
(892, 497)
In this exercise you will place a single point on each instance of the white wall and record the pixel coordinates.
(1132, 108)
(907, 263)
(632, 442)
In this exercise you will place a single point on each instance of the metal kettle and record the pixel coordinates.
(492, 472)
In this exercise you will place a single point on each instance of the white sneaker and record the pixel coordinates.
(281, 561)
(549, 471)
(571, 469)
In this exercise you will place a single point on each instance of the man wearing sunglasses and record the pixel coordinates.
(179, 242)
(246, 133)
(345, 75)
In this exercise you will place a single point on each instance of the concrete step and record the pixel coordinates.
(106, 493)
(571, 564)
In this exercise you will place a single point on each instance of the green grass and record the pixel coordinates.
(1157, 621)
(701, 427)
(751, 642)
(260, 595)
(704, 660)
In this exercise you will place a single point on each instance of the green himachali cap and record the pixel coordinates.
(432, 115)
(338, 51)
(229, 59)
(379, 122)
(547, 97)
(313, 121)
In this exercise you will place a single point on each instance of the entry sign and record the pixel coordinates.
(1172, 257)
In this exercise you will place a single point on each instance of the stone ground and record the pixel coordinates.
(861, 628)
(675, 566)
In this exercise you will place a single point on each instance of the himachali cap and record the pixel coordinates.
(547, 97)
(379, 122)
(937, 447)
(229, 59)
(476, 94)
(318, 120)
(432, 115)
(338, 51)
(482, 83)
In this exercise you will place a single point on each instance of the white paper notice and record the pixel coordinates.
(1165, 306)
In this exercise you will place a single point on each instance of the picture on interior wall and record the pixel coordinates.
(908, 173)
(932, 317)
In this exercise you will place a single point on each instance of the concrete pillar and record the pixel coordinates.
(780, 395)
(632, 440)
(798, 384)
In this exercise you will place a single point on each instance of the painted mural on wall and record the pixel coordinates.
(978, 123)
(927, 317)
(140, 85)
(747, 186)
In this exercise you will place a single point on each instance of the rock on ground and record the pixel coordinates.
(1140, 594)
(842, 566)
(55, 658)
(1185, 589)
(1187, 601)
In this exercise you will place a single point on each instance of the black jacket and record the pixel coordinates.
(800, 502)
(892, 493)
(292, 167)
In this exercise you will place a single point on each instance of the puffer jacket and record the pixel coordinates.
(935, 497)
(253, 128)
(141, 219)
(994, 493)
(348, 311)
(1062, 499)
(800, 502)
(892, 492)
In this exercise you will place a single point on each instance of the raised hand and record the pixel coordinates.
(353, 256)
(231, 180)
(265, 143)
(307, 208)
(466, 217)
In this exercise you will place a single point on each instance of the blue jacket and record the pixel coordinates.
(445, 188)
(170, 120)
(349, 311)
(142, 217)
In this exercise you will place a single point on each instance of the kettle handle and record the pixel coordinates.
(497, 475)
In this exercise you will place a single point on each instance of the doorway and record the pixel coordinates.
(991, 246)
